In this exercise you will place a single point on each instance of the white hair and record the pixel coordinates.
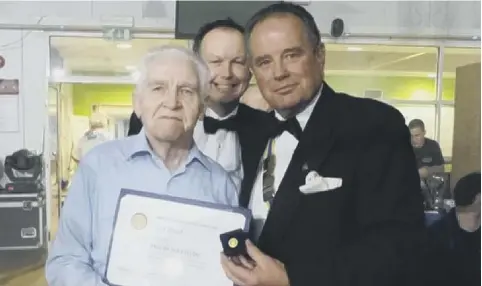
(200, 67)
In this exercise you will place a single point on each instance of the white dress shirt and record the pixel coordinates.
(283, 147)
(223, 147)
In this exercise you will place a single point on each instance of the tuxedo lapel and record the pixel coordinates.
(251, 157)
(315, 144)
(253, 137)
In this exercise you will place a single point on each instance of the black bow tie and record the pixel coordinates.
(291, 125)
(212, 125)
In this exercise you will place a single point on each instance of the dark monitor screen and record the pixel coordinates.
(191, 15)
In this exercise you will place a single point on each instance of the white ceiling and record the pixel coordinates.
(96, 56)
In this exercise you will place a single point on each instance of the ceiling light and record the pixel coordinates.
(354, 49)
(475, 37)
(432, 75)
(124, 46)
(130, 68)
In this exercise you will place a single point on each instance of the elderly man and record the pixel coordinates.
(332, 206)
(161, 159)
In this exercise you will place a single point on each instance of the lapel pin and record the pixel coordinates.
(304, 168)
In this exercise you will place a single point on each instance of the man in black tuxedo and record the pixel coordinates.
(341, 205)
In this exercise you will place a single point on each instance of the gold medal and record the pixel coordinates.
(233, 242)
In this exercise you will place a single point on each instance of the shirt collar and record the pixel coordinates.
(209, 112)
(139, 146)
(304, 115)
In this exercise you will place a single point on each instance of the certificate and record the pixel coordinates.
(166, 241)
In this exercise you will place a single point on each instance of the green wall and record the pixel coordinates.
(403, 88)
(86, 95)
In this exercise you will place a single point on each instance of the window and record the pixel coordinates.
(398, 72)
(121, 128)
(447, 130)
(425, 113)
(454, 58)
(404, 77)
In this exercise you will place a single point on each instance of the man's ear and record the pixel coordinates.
(320, 54)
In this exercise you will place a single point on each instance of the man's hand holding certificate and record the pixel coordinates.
(160, 240)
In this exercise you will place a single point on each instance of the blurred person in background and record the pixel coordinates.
(455, 238)
(430, 161)
(427, 151)
(96, 135)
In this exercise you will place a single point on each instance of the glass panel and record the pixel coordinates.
(424, 112)
(453, 58)
(83, 56)
(391, 72)
(447, 130)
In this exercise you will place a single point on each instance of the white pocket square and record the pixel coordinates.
(316, 183)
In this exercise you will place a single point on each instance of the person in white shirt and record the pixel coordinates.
(220, 44)
(96, 135)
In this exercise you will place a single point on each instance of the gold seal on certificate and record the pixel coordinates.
(139, 221)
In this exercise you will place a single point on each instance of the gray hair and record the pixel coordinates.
(200, 67)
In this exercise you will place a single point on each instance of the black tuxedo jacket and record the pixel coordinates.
(369, 231)
(135, 125)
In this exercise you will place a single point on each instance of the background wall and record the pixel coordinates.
(401, 88)
(26, 54)
(415, 18)
(87, 95)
